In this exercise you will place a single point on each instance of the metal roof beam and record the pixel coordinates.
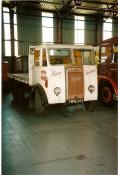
(102, 3)
(97, 9)
(65, 5)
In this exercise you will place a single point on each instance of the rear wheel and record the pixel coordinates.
(39, 102)
(89, 105)
(17, 91)
(13, 88)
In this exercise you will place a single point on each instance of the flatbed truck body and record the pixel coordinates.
(58, 73)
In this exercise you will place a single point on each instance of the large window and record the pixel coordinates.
(15, 35)
(47, 27)
(107, 29)
(79, 30)
(7, 34)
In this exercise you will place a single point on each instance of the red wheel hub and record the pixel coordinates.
(106, 94)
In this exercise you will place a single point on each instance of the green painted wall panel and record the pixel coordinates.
(90, 31)
(68, 31)
(29, 31)
(115, 27)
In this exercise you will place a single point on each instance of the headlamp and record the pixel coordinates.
(57, 91)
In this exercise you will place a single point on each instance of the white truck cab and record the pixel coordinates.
(59, 73)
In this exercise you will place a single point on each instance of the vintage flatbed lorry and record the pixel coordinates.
(58, 73)
(108, 71)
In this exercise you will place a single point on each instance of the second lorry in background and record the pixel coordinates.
(108, 71)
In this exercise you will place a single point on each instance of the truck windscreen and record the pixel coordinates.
(60, 56)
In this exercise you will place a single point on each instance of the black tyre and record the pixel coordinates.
(106, 95)
(39, 102)
(17, 91)
(89, 105)
(13, 88)
(13, 93)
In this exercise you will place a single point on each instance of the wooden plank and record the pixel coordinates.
(20, 77)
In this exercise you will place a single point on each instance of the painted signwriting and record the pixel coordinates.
(44, 77)
(73, 79)
(89, 71)
(55, 73)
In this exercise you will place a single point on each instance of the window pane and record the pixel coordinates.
(79, 22)
(47, 22)
(47, 34)
(15, 32)
(108, 26)
(6, 17)
(81, 25)
(79, 36)
(15, 19)
(47, 14)
(76, 24)
(16, 48)
(107, 35)
(79, 29)
(79, 17)
(47, 27)
(107, 29)
(7, 48)
(47, 19)
(5, 9)
(109, 20)
(7, 31)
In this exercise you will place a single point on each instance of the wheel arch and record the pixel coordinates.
(106, 82)
(41, 90)
(105, 92)
(32, 95)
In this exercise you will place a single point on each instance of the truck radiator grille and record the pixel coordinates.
(75, 87)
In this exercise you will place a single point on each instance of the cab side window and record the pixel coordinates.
(116, 53)
(44, 59)
(78, 57)
(36, 57)
(89, 57)
(106, 53)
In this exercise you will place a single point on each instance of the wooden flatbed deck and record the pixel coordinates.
(20, 77)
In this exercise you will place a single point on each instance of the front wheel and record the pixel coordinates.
(106, 95)
(89, 105)
(39, 102)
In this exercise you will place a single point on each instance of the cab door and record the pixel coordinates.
(34, 65)
(52, 80)
(90, 76)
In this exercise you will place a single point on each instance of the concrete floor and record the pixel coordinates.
(64, 141)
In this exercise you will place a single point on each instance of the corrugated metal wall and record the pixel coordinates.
(115, 27)
(3, 43)
(90, 31)
(68, 31)
(29, 31)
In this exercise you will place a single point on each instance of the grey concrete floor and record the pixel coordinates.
(64, 141)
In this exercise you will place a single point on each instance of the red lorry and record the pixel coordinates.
(108, 70)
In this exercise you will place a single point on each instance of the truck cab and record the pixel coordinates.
(108, 71)
(62, 74)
